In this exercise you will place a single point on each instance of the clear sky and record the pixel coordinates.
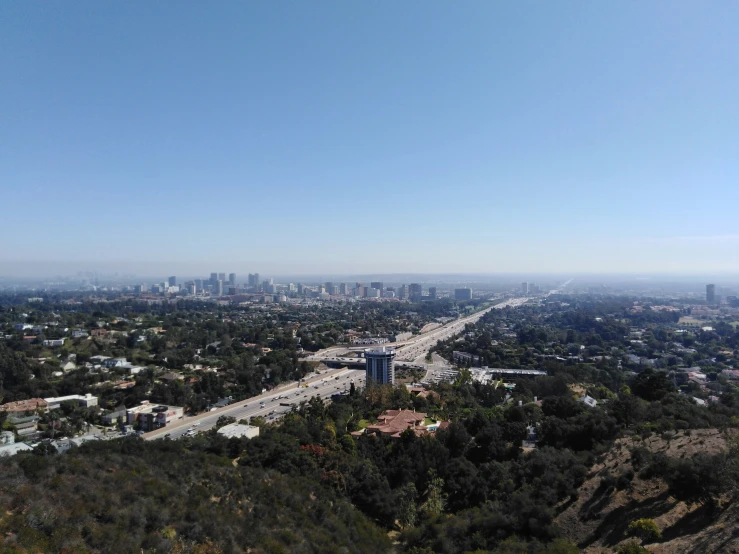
(473, 136)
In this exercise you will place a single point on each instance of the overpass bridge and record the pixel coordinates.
(359, 363)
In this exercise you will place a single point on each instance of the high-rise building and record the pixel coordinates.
(221, 276)
(462, 294)
(524, 288)
(192, 289)
(379, 365)
(300, 288)
(232, 279)
(343, 289)
(403, 292)
(199, 284)
(377, 285)
(432, 293)
(328, 286)
(219, 287)
(711, 294)
(172, 281)
(415, 291)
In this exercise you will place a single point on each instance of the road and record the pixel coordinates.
(322, 386)
(418, 345)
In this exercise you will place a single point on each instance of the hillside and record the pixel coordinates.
(131, 496)
(614, 494)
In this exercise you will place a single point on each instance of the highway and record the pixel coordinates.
(322, 386)
(412, 352)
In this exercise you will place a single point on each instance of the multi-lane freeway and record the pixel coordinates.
(268, 406)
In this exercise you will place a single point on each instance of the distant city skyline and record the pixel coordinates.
(331, 138)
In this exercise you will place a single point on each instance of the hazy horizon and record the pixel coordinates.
(148, 272)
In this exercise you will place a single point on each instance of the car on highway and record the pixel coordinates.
(196, 423)
(167, 435)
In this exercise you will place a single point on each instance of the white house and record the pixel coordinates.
(589, 401)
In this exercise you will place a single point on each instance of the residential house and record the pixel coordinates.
(25, 426)
(589, 401)
(23, 406)
(86, 400)
(115, 362)
(393, 422)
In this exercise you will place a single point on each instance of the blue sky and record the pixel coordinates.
(336, 136)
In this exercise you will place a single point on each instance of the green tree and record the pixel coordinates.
(434, 504)
(644, 528)
(631, 547)
(407, 496)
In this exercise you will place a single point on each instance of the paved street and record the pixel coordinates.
(413, 351)
(323, 386)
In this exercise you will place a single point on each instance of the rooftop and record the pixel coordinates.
(394, 422)
(24, 405)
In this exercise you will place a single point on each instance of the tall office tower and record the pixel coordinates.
(462, 294)
(221, 276)
(333, 290)
(328, 286)
(300, 288)
(432, 293)
(415, 291)
(343, 289)
(214, 279)
(524, 288)
(192, 289)
(711, 294)
(376, 285)
(256, 280)
(172, 281)
(219, 287)
(199, 284)
(232, 279)
(379, 365)
(403, 292)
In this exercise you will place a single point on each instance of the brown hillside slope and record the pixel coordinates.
(598, 519)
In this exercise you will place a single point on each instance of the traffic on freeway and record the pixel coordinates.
(270, 406)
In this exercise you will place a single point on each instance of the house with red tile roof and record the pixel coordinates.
(22, 406)
(393, 422)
